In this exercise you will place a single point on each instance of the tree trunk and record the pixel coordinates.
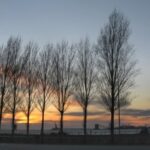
(14, 112)
(42, 123)
(28, 113)
(119, 120)
(0, 119)
(13, 123)
(85, 121)
(1, 109)
(61, 122)
(112, 121)
(118, 111)
(112, 125)
(2, 101)
(112, 113)
(28, 124)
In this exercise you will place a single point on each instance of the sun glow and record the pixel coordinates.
(51, 115)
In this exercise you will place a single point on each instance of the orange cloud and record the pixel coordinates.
(74, 114)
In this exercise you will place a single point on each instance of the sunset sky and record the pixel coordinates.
(54, 20)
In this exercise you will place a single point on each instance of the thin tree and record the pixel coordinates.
(63, 78)
(112, 47)
(123, 101)
(4, 80)
(126, 72)
(16, 68)
(85, 76)
(45, 87)
(29, 82)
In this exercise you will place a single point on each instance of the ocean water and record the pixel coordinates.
(78, 131)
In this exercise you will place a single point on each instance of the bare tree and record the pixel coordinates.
(63, 78)
(114, 51)
(45, 81)
(123, 101)
(85, 76)
(126, 73)
(4, 80)
(29, 82)
(16, 68)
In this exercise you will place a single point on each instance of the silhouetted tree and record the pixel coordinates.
(126, 73)
(114, 51)
(29, 83)
(63, 78)
(85, 76)
(123, 101)
(18, 61)
(5, 62)
(45, 86)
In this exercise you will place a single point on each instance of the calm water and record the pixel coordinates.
(77, 131)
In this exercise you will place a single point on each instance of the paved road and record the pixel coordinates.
(68, 147)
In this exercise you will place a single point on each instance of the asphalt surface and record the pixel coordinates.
(4, 146)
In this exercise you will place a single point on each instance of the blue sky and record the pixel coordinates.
(54, 20)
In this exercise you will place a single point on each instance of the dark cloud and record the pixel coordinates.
(136, 112)
(124, 112)
(81, 113)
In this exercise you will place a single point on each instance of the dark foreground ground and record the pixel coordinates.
(68, 147)
(138, 139)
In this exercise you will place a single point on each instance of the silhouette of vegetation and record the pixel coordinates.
(29, 83)
(33, 78)
(5, 61)
(45, 87)
(85, 77)
(63, 78)
(116, 64)
(18, 61)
